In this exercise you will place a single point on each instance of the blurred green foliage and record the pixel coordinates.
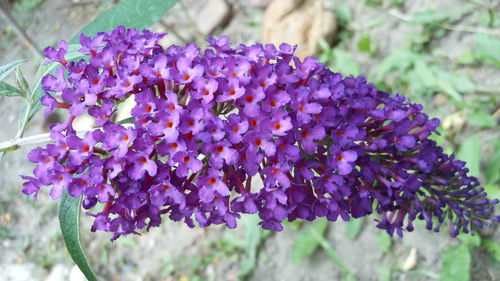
(469, 110)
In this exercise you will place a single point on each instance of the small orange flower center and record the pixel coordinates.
(232, 92)
(86, 148)
(186, 77)
(169, 124)
(258, 142)
(304, 134)
(212, 181)
(143, 160)
(174, 145)
(249, 98)
(187, 159)
(219, 149)
(273, 103)
(277, 126)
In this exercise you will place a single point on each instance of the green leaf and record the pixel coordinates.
(9, 91)
(344, 62)
(69, 221)
(23, 115)
(21, 81)
(428, 17)
(470, 240)
(466, 57)
(384, 241)
(480, 118)
(424, 73)
(354, 227)
(254, 236)
(305, 242)
(397, 60)
(385, 272)
(492, 190)
(8, 68)
(452, 84)
(456, 264)
(493, 168)
(487, 49)
(492, 247)
(126, 120)
(129, 13)
(364, 43)
(330, 251)
(343, 13)
(470, 152)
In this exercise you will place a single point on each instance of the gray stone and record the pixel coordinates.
(300, 22)
(215, 13)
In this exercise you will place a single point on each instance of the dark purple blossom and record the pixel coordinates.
(205, 124)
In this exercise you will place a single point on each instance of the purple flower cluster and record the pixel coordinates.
(250, 129)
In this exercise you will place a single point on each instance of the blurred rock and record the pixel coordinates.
(215, 13)
(259, 3)
(58, 273)
(19, 272)
(301, 22)
(76, 274)
(454, 122)
(411, 261)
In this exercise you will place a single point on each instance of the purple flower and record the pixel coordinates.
(186, 162)
(57, 55)
(343, 161)
(212, 186)
(206, 123)
(140, 164)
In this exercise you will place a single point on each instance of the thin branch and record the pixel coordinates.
(461, 28)
(16, 143)
(465, 28)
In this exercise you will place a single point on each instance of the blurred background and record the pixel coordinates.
(443, 54)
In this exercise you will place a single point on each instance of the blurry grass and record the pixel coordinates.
(26, 6)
